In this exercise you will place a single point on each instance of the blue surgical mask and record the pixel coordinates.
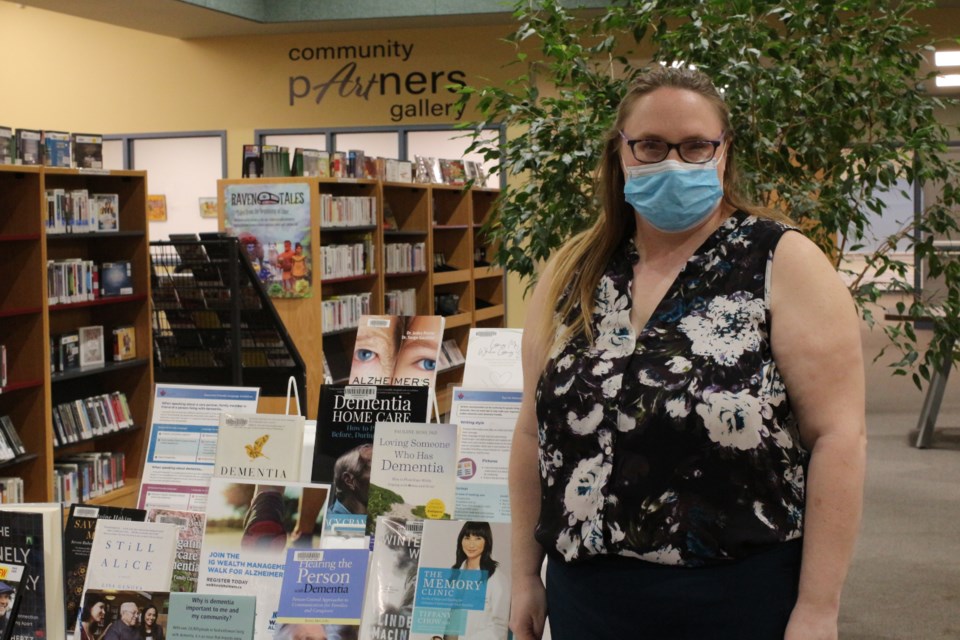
(673, 196)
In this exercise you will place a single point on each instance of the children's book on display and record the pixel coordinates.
(392, 579)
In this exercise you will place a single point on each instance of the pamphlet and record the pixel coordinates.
(183, 442)
(493, 359)
(486, 420)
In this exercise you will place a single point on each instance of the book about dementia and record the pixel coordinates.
(392, 580)
(77, 544)
(463, 581)
(414, 471)
(323, 586)
(261, 447)
(129, 556)
(397, 350)
(190, 525)
(344, 447)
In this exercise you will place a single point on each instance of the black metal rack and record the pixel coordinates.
(213, 323)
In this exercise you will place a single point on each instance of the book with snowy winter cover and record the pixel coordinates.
(77, 543)
(392, 579)
(463, 581)
(344, 446)
(414, 471)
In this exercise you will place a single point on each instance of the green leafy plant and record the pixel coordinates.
(832, 120)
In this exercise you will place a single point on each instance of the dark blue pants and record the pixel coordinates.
(623, 598)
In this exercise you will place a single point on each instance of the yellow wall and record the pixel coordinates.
(80, 75)
(71, 74)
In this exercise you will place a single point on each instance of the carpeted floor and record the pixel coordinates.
(905, 578)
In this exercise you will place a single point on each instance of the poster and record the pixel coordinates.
(272, 222)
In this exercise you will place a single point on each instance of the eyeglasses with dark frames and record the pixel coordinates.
(691, 151)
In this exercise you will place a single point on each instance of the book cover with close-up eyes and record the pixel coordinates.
(397, 350)
(343, 455)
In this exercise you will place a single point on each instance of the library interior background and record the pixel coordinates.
(176, 293)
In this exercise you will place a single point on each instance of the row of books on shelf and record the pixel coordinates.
(401, 302)
(347, 260)
(87, 418)
(82, 476)
(344, 312)
(272, 161)
(85, 347)
(347, 211)
(450, 355)
(51, 148)
(11, 445)
(455, 172)
(78, 280)
(78, 211)
(11, 490)
(406, 257)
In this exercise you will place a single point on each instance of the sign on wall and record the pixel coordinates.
(361, 72)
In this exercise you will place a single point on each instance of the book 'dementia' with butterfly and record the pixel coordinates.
(257, 446)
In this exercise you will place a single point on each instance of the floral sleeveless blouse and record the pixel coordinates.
(678, 445)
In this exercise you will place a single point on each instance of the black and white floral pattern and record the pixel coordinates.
(677, 444)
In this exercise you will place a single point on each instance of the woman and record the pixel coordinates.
(91, 620)
(475, 552)
(694, 375)
(149, 628)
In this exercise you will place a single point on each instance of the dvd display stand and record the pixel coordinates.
(213, 322)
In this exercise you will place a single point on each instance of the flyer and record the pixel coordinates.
(486, 420)
(183, 442)
(493, 359)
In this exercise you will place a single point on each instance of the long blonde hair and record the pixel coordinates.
(579, 265)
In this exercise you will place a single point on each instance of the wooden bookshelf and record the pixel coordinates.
(447, 219)
(27, 320)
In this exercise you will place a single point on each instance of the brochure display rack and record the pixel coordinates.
(212, 323)
(34, 313)
(428, 249)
